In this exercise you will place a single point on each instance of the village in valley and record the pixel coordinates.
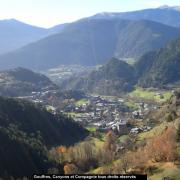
(124, 115)
(108, 113)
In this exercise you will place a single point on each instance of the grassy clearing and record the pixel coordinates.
(131, 105)
(166, 170)
(96, 171)
(123, 138)
(81, 102)
(97, 142)
(167, 95)
(109, 97)
(50, 108)
(153, 132)
(72, 114)
(150, 95)
(91, 129)
(141, 93)
(130, 61)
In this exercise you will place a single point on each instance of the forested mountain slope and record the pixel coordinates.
(26, 131)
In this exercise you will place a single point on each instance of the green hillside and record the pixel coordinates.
(112, 78)
(154, 69)
(161, 67)
(21, 82)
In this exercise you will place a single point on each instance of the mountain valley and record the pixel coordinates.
(100, 95)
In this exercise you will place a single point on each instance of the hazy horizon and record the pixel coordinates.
(48, 13)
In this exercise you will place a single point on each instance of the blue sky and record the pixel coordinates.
(46, 13)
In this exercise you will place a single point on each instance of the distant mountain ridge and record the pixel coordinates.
(91, 42)
(169, 15)
(15, 34)
(177, 8)
(88, 41)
